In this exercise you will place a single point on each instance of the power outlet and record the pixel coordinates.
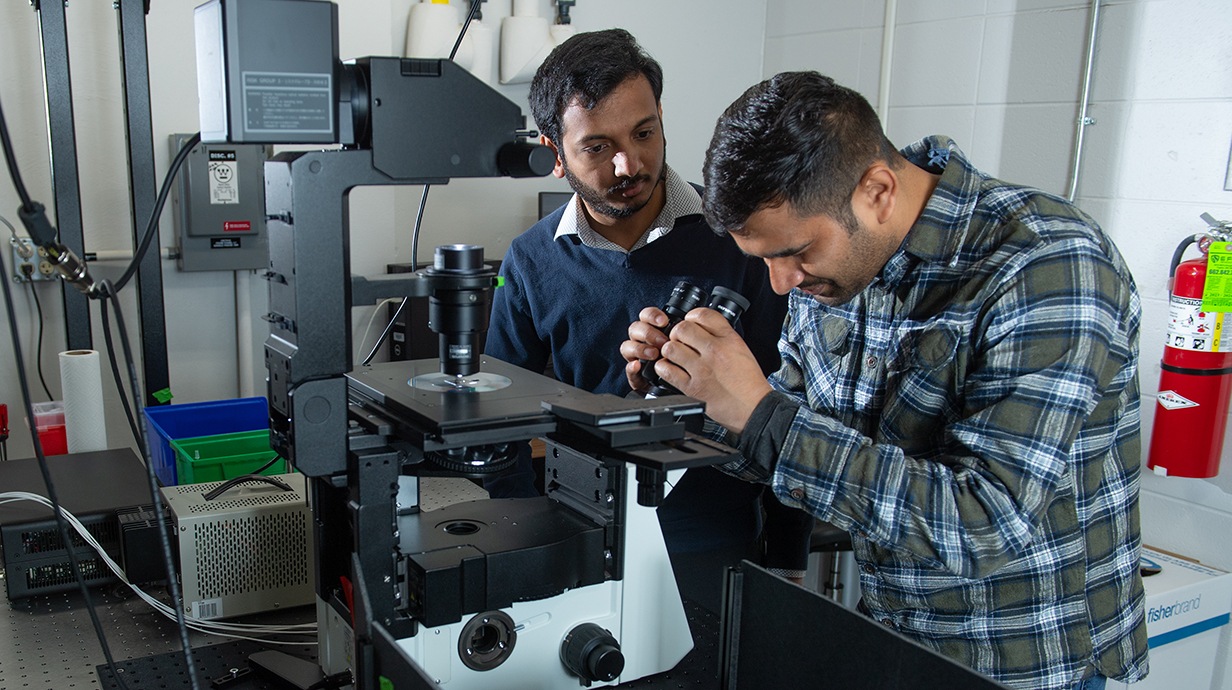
(29, 264)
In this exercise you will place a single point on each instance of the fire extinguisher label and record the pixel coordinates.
(1191, 328)
(1173, 401)
(1217, 291)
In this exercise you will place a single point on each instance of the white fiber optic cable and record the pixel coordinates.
(210, 627)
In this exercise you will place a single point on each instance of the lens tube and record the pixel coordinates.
(459, 316)
(729, 303)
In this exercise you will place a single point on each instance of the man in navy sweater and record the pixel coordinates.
(575, 280)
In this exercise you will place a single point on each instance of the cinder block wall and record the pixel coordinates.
(1003, 78)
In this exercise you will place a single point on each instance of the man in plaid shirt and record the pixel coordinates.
(959, 384)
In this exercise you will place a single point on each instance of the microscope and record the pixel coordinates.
(569, 589)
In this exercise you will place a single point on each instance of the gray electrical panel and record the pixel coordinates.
(220, 207)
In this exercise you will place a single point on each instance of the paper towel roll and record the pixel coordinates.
(81, 380)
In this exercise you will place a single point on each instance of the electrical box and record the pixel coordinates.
(220, 207)
(249, 550)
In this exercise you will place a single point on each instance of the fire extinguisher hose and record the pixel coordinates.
(1180, 252)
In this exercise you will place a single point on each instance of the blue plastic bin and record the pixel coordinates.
(171, 422)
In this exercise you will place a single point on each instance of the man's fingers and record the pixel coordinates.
(653, 315)
(697, 335)
(672, 373)
(709, 319)
(633, 372)
(632, 351)
(642, 332)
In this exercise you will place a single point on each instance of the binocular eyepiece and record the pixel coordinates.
(685, 298)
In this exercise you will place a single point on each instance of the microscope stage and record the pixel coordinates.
(445, 412)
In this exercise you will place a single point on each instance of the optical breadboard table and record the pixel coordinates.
(50, 641)
(699, 669)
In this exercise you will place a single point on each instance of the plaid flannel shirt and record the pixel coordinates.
(972, 418)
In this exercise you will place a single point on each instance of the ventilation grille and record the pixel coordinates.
(217, 506)
(251, 554)
(47, 540)
(43, 576)
(190, 489)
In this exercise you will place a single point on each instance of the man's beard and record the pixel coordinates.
(597, 201)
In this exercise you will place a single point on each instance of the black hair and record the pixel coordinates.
(798, 138)
(585, 69)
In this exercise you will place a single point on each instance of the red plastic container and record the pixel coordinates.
(53, 439)
(49, 421)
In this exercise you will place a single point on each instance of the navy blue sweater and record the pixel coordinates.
(575, 303)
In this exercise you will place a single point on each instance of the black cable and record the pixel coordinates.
(475, 5)
(254, 475)
(108, 291)
(38, 354)
(423, 200)
(11, 159)
(267, 465)
(115, 373)
(232, 483)
(151, 228)
(27, 203)
(61, 525)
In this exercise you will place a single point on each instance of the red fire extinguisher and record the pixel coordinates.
(1192, 405)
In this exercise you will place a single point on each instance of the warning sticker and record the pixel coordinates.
(1191, 328)
(1171, 400)
(282, 102)
(224, 184)
(1217, 291)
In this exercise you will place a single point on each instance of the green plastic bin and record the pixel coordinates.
(224, 456)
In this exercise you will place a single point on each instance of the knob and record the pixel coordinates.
(524, 159)
(592, 654)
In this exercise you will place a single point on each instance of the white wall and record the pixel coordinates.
(201, 312)
(1003, 78)
(699, 82)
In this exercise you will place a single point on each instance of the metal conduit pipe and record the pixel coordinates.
(243, 333)
(168, 253)
(887, 56)
(1083, 120)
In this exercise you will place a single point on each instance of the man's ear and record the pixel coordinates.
(877, 192)
(662, 132)
(559, 170)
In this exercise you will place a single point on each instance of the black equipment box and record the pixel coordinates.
(91, 486)
(777, 634)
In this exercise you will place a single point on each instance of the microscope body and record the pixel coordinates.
(579, 590)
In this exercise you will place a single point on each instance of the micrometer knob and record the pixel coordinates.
(591, 653)
(605, 662)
